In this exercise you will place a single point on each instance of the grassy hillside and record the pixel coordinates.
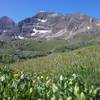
(12, 51)
(59, 70)
(85, 62)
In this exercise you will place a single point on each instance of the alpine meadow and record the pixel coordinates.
(50, 55)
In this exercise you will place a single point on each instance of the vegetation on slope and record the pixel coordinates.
(17, 50)
(59, 61)
(12, 51)
(85, 62)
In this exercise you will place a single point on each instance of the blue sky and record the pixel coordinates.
(19, 9)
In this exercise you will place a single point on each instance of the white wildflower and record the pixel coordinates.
(31, 89)
(2, 78)
(61, 77)
(54, 88)
(74, 75)
(22, 76)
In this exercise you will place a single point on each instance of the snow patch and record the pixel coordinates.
(42, 20)
(20, 37)
(4, 31)
(40, 31)
(33, 34)
(16, 37)
(88, 27)
(44, 31)
(35, 31)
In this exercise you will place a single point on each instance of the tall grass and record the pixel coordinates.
(85, 62)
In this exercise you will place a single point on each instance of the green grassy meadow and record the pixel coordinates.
(50, 70)
(84, 61)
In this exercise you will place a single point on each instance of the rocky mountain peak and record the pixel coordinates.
(6, 20)
(49, 25)
(8, 27)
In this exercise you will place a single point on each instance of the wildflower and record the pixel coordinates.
(2, 78)
(61, 77)
(54, 88)
(22, 76)
(74, 75)
(31, 89)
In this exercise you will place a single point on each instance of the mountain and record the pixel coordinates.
(50, 25)
(8, 28)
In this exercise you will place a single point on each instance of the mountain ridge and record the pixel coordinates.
(49, 25)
